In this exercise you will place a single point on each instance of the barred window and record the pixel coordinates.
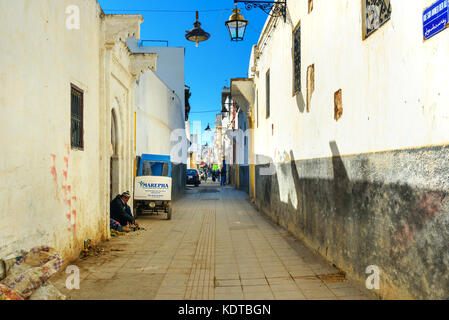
(267, 89)
(375, 14)
(297, 60)
(76, 130)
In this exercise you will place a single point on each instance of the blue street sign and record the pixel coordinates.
(435, 18)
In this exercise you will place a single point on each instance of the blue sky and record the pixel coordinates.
(210, 66)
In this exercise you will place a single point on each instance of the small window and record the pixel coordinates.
(297, 60)
(267, 89)
(374, 13)
(76, 129)
(155, 168)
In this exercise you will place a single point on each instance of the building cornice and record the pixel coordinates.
(141, 62)
(119, 27)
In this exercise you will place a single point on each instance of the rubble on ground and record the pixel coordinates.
(26, 274)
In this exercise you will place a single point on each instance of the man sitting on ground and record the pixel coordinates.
(120, 211)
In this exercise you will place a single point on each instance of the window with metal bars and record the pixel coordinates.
(375, 13)
(76, 128)
(297, 60)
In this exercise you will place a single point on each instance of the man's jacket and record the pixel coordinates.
(121, 212)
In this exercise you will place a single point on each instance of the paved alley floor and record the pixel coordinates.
(217, 246)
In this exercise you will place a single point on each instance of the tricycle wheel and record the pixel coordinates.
(169, 213)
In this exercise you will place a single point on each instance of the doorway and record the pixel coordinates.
(114, 161)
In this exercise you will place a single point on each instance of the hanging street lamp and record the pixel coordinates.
(197, 34)
(236, 25)
(226, 109)
(208, 128)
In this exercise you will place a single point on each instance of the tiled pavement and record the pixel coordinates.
(217, 246)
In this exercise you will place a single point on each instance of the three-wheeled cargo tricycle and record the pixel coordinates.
(153, 184)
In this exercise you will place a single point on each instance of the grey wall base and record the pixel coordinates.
(178, 180)
(244, 178)
(388, 209)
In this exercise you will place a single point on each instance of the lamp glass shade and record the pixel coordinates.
(236, 26)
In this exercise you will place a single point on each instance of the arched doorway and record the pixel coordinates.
(114, 162)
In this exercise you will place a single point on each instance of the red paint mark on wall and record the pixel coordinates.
(67, 189)
(64, 188)
(53, 168)
(426, 209)
(54, 174)
(430, 205)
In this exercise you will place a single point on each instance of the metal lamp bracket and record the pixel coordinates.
(272, 8)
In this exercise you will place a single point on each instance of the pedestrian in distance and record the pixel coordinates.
(223, 176)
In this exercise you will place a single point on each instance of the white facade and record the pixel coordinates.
(228, 123)
(159, 112)
(51, 193)
(170, 66)
(242, 145)
(160, 104)
(415, 91)
(393, 113)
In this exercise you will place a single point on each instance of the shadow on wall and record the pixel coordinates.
(301, 104)
(179, 179)
(403, 229)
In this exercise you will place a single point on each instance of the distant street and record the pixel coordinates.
(217, 246)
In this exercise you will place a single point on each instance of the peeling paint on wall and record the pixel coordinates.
(310, 84)
(338, 105)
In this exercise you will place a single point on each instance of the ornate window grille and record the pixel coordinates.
(297, 60)
(375, 14)
(76, 130)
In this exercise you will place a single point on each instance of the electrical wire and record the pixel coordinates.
(219, 21)
(175, 11)
(208, 111)
(166, 11)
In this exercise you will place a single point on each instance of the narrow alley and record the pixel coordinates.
(216, 246)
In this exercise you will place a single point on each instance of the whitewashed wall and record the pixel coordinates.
(393, 83)
(159, 112)
(44, 197)
(390, 145)
(50, 193)
(170, 65)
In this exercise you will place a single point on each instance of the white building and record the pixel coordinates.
(66, 98)
(160, 110)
